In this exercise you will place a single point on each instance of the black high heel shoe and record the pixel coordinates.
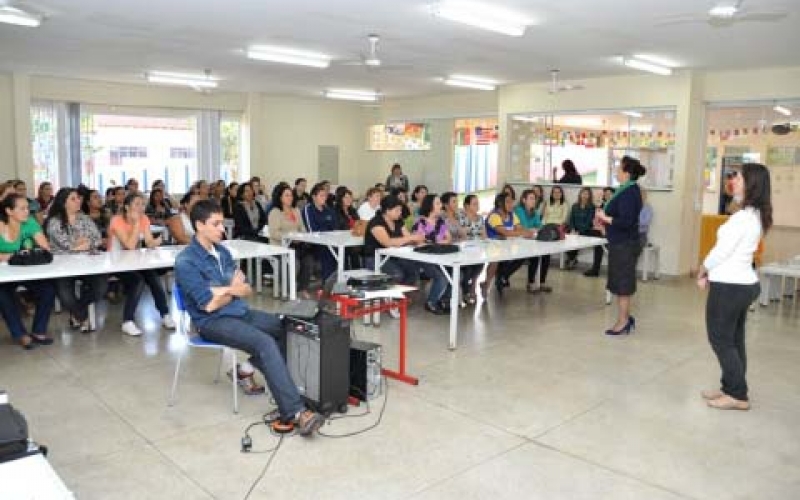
(629, 328)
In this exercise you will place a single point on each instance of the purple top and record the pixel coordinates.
(421, 226)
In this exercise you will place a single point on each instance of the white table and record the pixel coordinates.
(336, 241)
(76, 265)
(773, 276)
(31, 477)
(483, 252)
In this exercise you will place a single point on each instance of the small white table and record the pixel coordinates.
(31, 477)
(773, 277)
(483, 252)
(336, 241)
(76, 265)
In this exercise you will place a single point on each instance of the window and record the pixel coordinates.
(159, 144)
(230, 142)
(475, 154)
(45, 143)
(595, 142)
(179, 153)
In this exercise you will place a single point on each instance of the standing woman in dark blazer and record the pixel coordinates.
(621, 218)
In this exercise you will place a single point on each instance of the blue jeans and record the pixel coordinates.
(260, 335)
(134, 282)
(92, 289)
(402, 271)
(45, 294)
(439, 282)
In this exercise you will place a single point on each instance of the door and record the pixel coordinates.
(328, 159)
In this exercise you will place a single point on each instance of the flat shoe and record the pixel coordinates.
(728, 403)
(42, 340)
(711, 394)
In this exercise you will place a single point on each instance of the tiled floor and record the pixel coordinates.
(535, 403)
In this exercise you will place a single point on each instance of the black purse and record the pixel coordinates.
(30, 255)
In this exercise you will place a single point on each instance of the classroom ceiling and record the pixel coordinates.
(120, 41)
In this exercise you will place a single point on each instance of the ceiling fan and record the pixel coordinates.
(725, 13)
(372, 60)
(555, 86)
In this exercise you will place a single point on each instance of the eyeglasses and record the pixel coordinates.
(730, 174)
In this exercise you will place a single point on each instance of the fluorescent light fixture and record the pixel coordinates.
(530, 119)
(289, 56)
(484, 16)
(782, 110)
(646, 66)
(632, 114)
(725, 11)
(195, 81)
(470, 82)
(12, 15)
(352, 95)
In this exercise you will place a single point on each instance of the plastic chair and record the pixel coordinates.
(183, 327)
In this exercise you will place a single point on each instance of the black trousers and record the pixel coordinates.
(726, 313)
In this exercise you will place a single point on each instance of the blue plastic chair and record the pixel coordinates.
(183, 327)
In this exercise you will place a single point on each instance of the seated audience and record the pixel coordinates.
(33, 206)
(450, 216)
(127, 231)
(157, 209)
(44, 196)
(508, 189)
(229, 201)
(180, 228)
(284, 218)
(132, 186)
(581, 221)
(386, 230)
(370, 205)
(249, 217)
(214, 293)
(301, 197)
(556, 211)
(319, 217)
(346, 218)
(71, 231)
(94, 208)
(115, 198)
(419, 193)
(19, 230)
(502, 223)
(473, 227)
(431, 226)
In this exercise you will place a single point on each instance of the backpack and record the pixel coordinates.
(13, 433)
(550, 232)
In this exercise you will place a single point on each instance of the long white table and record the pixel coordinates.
(31, 477)
(483, 252)
(337, 243)
(76, 265)
(773, 279)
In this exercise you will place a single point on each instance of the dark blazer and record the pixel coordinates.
(571, 179)
(242, 228)
(228, 204)
(624, 210)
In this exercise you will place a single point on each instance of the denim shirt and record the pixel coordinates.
(196, 271)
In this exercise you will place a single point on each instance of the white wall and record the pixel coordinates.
(8, 166)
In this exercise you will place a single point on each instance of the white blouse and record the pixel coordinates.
(731, 259)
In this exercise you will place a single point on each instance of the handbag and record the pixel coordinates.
(30, 255)
(438, 248)
(550, 232)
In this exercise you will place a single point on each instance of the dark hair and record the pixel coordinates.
(202, 210)
(500, 201)
(633, 167)
(341, 192)
(446, 197)
(510, 188)
(117, 189)
(299, 180)
(609, 188)
(110, 191)
(396, 191)
(591, 196)
(388, 203)
(569, 167)
(417, 190)
(240, 191)
(17, 183)
(758, 192)
(128, 200)
(370, 192)
(468, 199)
(277, 194)
(8, 203)
(87, 195)
(525, 194)
(156, 183)
(187, 198)
(320, 186)
(58, 208)
(553, 190)
(153, 195)
(42, 185)
(396, 165)
(426, 207)
(131, 181)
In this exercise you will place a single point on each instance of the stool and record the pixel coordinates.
(651, 262)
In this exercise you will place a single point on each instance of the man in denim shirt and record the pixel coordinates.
(213, 292)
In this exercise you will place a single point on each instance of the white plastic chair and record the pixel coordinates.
(183, 327)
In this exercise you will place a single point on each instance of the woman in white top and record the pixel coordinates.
(285, 218)
(556, 210)
(734, 282)
(372, 201)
